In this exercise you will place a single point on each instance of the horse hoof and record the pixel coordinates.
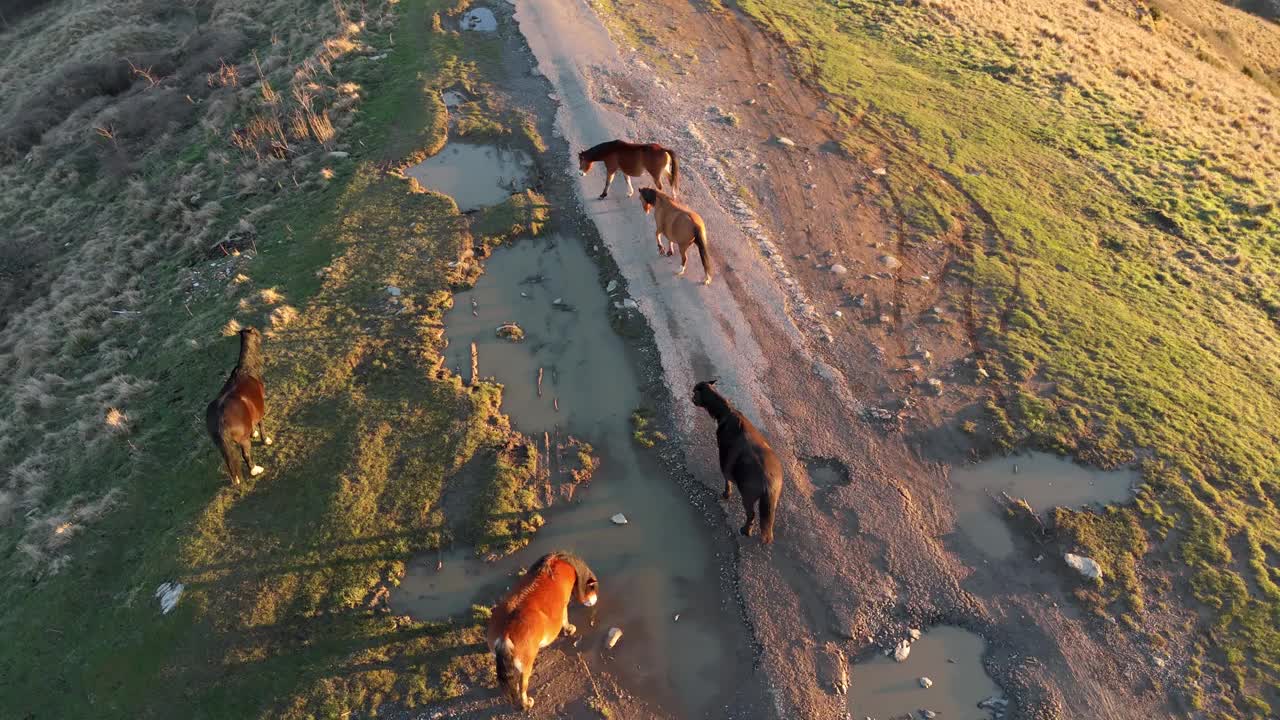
(746, 530)
(680, 274)
(671, 252)
(268, 441)
(570, 630)
(527, 703)
(705, 281)
(724, 496)
(256, 435)
(256, 471)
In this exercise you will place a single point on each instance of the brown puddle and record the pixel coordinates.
(1045, 481)
(658, 565)
(951, 658)
(473, 175)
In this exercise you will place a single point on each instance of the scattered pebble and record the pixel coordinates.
(926, 683)
(339, 155)
(890, 261)
(393, 291)
(1087, 567)
(619, 519)
(614, 636)
(784, 141)
(839, 269)
(613, 285)
(880, 171)
(903, 650)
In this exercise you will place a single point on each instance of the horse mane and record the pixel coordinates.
(594, 153)
(542, 567)
(717, 405)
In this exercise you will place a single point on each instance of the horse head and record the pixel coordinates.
(586, 585)
(706, 397)
(584, 165)
(649, 198)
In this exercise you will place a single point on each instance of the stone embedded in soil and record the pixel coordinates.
(784, 141)
(890, 261)
(613, 285)
(614, 636)
(934, 385)
(1087, 567)
(926, 683)
(839, 269)
(880, 171)
(902, 651)
(928, 714)
(393, 291)
(619, 519)
(339, 155)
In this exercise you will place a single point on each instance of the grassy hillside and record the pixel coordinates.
(1109, 172)
(116, 339)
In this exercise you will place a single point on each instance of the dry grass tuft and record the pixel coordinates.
(270, 296)
(116, 421)
(326, 173)
(232, 327)
(282, 316)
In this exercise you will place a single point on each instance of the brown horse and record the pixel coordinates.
(532, 615)
(746, 460)
(235, 416)
(682, 227)
(633, 160)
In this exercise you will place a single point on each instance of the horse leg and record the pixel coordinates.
(608, 180)
(631, 191)
(684, 259)
(727, 488)
(748, 504)
(657, 177)
(525, 701)
(657, 236)
(228, 450)
(567, 627)
(246, 449)
(261, 429)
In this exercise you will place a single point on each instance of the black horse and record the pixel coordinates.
(746, 459)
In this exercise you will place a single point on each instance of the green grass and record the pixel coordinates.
(1122, 282)
(371, 433)
(642, 433)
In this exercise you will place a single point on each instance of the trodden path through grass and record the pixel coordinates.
(281, 615)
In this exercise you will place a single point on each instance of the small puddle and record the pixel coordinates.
(475, 176)
(1043, 480)
(950, 657)
(658, 565)
(479, 19)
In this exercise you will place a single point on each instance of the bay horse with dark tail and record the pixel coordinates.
(681, 226)
(234, 418)
(533, 615)
(633, 160)
(746, 460)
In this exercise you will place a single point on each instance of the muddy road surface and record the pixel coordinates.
(817, 327)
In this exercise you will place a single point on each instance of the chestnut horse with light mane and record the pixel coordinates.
(682, 226)
(234, 418)
(533, 615)
(633, 160)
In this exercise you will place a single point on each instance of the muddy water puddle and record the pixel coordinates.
(1045, 481)
(475, 176)
(655, 567)
(951, 659)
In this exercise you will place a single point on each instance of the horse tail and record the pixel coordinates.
(508, 672)
(700, 239)
(675, 172)
(768, 511)
(228, 447)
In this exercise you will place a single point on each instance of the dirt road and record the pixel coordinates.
(856, 563)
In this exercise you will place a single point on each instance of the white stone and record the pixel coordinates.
(926, 683)
(169, 594)
(1087, 567)
(839, 269)
(619, 519)
(393, 291)
(785, 141)
(614, 636)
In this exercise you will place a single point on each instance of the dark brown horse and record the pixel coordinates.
(633, 160)
(746, 459)
(533, 615)
(235, 417)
